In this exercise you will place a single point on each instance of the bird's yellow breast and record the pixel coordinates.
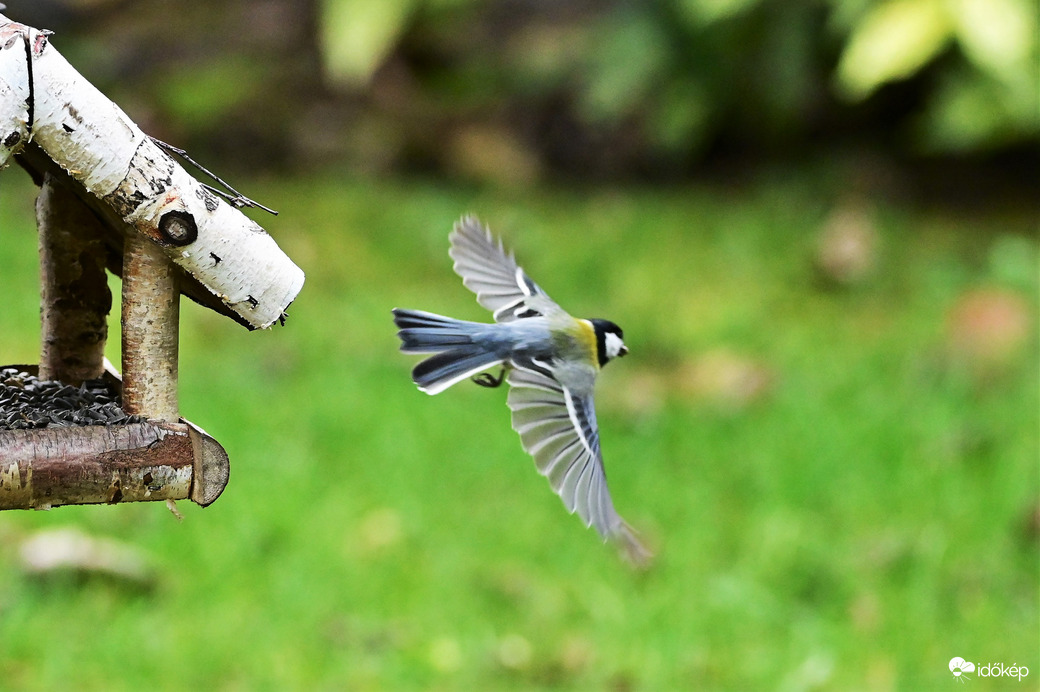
(586, 338)
(574, 340)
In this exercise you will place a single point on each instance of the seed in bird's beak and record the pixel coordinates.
(623, 351)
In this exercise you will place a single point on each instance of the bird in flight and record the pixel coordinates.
(550, 361)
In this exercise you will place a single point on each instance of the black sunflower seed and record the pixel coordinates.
(28, 402)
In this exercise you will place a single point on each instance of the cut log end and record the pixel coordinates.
(211, 465)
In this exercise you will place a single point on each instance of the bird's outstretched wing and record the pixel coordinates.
(489, 271)
(559, 430)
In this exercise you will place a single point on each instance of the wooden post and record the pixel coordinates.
(75, 299)
(151, 310)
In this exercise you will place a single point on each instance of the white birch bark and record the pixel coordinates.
(99, 146)
(14, 91)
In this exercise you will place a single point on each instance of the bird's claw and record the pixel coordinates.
(486, 379)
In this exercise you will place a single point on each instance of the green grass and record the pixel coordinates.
(855, 527)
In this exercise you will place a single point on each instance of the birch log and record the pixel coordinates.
(100, 147)
(40, 469)
(93, 464)
(14, 91)
(151, 311)
(75, 299)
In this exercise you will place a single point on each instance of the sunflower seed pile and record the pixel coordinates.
(29, 402)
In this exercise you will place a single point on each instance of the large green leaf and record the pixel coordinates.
(999, 36)
(357, 35)
(893, 41)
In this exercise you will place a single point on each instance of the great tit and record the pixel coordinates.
(549, 359)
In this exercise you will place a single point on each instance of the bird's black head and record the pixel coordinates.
(609, 341)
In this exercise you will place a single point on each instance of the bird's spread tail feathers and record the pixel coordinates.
(456, 355)
(631, 548)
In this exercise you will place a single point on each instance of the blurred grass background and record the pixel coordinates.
(829, 426)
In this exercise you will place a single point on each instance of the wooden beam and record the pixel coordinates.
(235, 264)
(95, 464)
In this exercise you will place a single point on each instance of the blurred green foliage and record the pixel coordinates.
(834, 450)
(666, 80)
(988, 96)
(515, 91)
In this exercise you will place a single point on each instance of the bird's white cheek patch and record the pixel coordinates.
(614, 345)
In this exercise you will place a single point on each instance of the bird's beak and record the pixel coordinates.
(623, 351)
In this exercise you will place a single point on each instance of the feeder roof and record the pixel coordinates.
(227, 261)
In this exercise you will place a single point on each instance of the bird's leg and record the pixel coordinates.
(486, 379)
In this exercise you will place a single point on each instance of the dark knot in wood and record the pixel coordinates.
(178, 228)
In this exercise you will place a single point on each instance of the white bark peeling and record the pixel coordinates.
(95, 141)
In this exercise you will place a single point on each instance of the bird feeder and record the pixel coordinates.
(114, 199)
